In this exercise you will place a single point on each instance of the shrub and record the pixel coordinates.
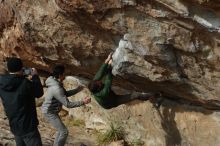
(114, 133)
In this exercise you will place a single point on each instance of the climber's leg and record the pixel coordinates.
(121, 99)
(143, 95)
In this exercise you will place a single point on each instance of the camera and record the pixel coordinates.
(27, 71)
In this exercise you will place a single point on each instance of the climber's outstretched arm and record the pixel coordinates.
(103, 69)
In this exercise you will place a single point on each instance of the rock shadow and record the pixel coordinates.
(197, 105)
(168, 123)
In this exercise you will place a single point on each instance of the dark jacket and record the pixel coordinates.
(106, 97)
(18, 98)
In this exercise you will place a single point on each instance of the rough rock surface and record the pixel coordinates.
(175, 123)
(173, 46)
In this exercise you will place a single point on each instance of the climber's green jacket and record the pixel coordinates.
(105, 96)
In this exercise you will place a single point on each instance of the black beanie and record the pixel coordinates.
(14, 64)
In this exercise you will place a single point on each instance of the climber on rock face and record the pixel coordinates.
(101, 84)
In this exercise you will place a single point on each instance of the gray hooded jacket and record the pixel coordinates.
(56, 96)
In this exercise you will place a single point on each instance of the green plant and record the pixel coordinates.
(114, 133)
(136, 142)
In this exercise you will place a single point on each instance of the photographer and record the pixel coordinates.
(18, 95)
(56, 97)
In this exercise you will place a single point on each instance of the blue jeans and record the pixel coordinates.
(62, 131)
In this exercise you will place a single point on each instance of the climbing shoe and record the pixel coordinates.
(157, 104)
(158, 100)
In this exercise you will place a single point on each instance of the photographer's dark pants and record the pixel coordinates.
(30, 139)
